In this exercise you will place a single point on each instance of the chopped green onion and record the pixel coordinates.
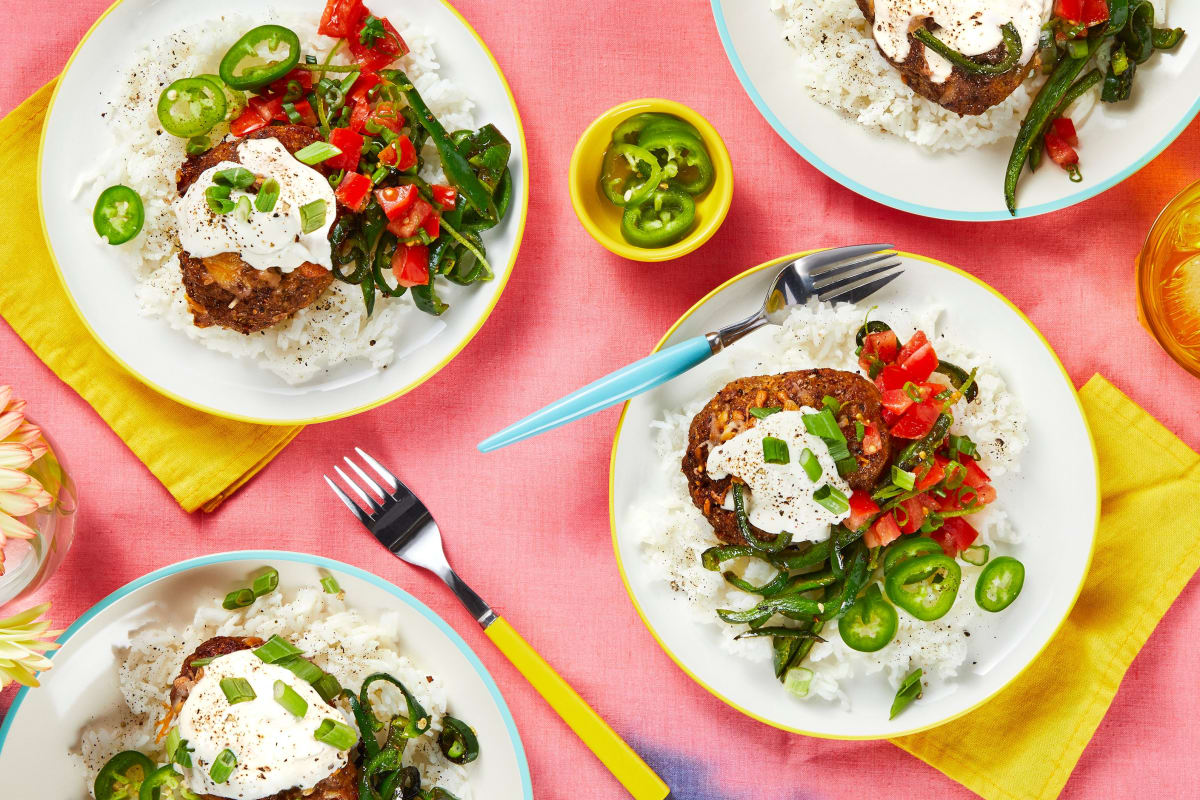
(860, 430)
(223, 766)
(1077, 48)
(237, 690)
(904, 479)
(775, 451)
(336, 733)
(798, 680)
(289, 109)
(823, 425)
(1120, 61)
(235, 177)
(177, 749)
(287, 697)
(242, 208)
(218, 200)
(268, 196)
(964, 445)
(976, 554)
(327, 686)
(238, 599)
(910, 689)
(810, 464)
(302, 668)
(330, 585)
(932, 522)
(832, 498)
(197, 145)
(200, 662)
(267, 582)
(312, 216)
(276, 649)
(831, 402)
(913, 391)
(956, 473)
(380, 174)
(317, 152)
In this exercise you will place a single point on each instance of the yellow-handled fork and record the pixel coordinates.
(401, 522)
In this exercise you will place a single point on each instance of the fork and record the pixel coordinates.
(838, 275)
(402, 524)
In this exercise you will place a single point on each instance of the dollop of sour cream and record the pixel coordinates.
(972, 27)
(264, 239)
(275, 750)
(781, 495)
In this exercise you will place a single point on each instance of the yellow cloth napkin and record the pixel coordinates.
(201, 459)
(1025, 742)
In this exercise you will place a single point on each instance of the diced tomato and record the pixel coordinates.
(896, 401)
(248, 122)
(914, 515)
(445, 196)
(889, 418)
(386, 115)
(406, 226)
(366, 82)
(976, 477)
(986, 493)
(862, 508)
(307, 115)
(883, 532)
(881, 347)
(395, 200)
(350, 143)
(918, 340)
(921, 363)
(955, 535)
(891, 377)
(359, 116)
(432, 225)
(1070, 10)
(1066, 131)
(872, 441)
(1060, 152)
(1094, 12)
(340, 18)
(379, 53)
(410, 265)
(406, 154)
(354, 191)
(301, 76)
(932, 475)
(916, 422)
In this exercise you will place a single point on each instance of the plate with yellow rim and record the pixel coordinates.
(103, 289)
(1053, 501)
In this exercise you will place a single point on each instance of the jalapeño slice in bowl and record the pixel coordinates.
(925, 587)
(191, 107)
(118, 214)
(662, 219)
(629, 130)
(683, 157)
(630, 174)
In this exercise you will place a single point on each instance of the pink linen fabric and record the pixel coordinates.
(528, 526)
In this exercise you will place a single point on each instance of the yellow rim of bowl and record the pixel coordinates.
(718, 152)
(520, 235)
(612, 515)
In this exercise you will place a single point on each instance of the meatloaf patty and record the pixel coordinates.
(223, 289)
(962, 92)
(341, 785)
(728, 414)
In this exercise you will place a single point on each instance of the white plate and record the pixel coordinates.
(1054, 500)
(1119, 139)
(44, 724)
(102, 289)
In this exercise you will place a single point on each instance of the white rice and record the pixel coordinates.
(840, 66)
(333, 636)
(674, 533)
(336, 328)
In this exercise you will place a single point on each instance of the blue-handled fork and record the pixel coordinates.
(839, 275)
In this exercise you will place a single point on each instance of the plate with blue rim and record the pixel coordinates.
(44, 725)
(1116, 141)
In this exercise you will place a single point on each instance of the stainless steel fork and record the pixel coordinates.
(402, 524)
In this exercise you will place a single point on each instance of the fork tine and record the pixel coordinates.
(854, 278)
(350, 504)
(835, 271)
(855, 294)
(375, 487)
(380, 470)
(370, 501)
(837, 254)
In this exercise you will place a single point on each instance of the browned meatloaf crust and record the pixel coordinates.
(223, 289)
(727, 415)
(341, 785)
(963, 92)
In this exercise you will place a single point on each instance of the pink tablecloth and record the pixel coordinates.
(529, 527)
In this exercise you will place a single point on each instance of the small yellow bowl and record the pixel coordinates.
(602, 219)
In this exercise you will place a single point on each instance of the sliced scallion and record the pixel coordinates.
(290, 699)
(242, 208)
(268, 196)
(302, 668)
(238, 599)
(910, 690)
(903, 478)
(832, 498)
(327, 686)
(217, 198)
(832, 403)
(798, 680)
(200, 662)
(976, 554)
(317, 152)
(276, 649)
(237, 690)
(223, 766)
(265, 583)
(775, 451)
(913, 391)
(763, 413)
(330, 585)
(823, 425)
(964, 445)
(197, 145)
(810, 465)
(860, 430)
(312, 216)
(235, 177)
(336, 733)
(177, 749)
